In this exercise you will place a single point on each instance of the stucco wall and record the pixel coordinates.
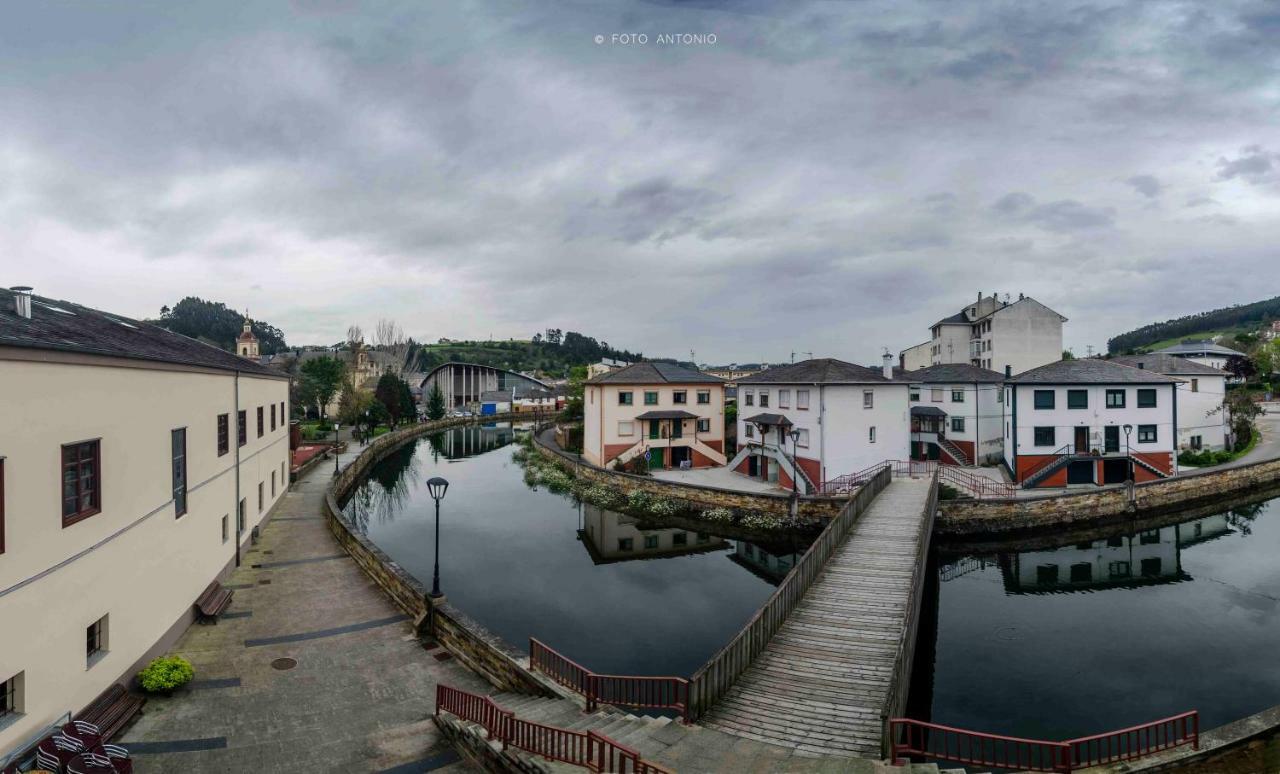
(602, 413)
(134, 562)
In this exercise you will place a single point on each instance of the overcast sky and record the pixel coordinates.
(828, 177)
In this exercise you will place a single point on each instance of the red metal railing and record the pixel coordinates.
(670, 693)
(980, 487)
(595, 752)
(938, 742)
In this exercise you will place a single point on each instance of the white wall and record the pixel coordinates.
(134, 561)
(917, 357)
(1200, 411)
(602, 413)
(1095, 417)
(1024, 335)
(951, 345)
(981, 407)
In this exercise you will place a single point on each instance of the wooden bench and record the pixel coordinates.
(213, 602)
(112, 710)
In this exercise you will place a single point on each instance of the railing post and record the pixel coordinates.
(592, 694)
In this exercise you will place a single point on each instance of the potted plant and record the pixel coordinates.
(165, 675)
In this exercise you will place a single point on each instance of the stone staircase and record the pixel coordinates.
(956, 452)
(664, 741)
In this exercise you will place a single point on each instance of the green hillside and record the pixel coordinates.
(1232, 320)
(550, 358)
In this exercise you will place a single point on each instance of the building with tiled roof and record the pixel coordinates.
(994, 334)
(969, 426)
(1203, 419)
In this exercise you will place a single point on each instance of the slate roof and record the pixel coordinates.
(1090, 371)
(824, 370)
(927, 411)
(67, 327)
(769, 419)
(959, 318)
(669, 414)
(1163, 363)
(1190, 347)
(655, 373)
(954, 373)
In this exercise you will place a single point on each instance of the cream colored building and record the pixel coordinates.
(673, 415)
(123, 494)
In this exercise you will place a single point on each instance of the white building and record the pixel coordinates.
(1080, 422)
(995, 334)
(135, 464)
(917, 357)
(957, 414)
(1203, 420)
(605, 366)
(1204, 352)
(846, 418)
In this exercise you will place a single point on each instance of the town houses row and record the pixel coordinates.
(1046, 420)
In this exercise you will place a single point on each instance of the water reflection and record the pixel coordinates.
(460, 443)
(1095, 631)
(615, 537)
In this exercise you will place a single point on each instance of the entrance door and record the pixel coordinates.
(677, 428)
(1111, 439)
(680, 454)
(1115, 471)
(657, 458)
(753, 465)
(1080, 472)
(1082, 440)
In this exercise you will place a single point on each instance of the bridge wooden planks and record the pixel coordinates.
(821, 682)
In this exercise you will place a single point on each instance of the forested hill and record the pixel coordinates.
(554, 357)
(214, 323)
(1241, 316)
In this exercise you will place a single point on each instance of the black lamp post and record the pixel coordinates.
(1127, 454)
(795, 459)
(436, 487)
(335, 448)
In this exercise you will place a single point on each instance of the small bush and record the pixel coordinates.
(166, 674)
(638, 499)
(946, 492)
(722, 515)
(661, 506)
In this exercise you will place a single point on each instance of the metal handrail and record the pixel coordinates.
(625, 690)
(716, 676)
(1057, 454)
(939, 742)
(594, 751)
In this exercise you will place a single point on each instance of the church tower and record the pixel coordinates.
(246, 342)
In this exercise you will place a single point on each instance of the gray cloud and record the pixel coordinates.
(1147, 185)
(1254, 165)
(1063, 215)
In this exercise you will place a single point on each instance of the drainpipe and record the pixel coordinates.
(236, 510)
(977, 435)
(822, 430)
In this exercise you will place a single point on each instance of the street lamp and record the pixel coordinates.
(1127, 454)
(335, 448)
(795, 459)
(436, 487)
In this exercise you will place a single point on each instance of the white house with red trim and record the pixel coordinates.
(1203, 420)
(845, 418)
(957, 414)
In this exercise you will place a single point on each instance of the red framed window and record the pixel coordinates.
(81, 481)
(260, 422)
(224, 434)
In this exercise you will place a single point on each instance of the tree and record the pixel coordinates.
(435, 402)
(321, 379)
(388, 393)
(1243, 412)
(353, 403)
(408, 406)
(573, 395)
(1266, 359)
(215, 323)
(389, 337)
(1068, 355)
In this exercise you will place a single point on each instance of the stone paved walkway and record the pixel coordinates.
(361, 696)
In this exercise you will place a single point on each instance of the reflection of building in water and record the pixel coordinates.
(461, 442)
(769, 566)
(1123, 561)
(615, 537)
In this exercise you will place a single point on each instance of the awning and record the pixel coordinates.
(927, 411)
(667, 415)
(770, 419)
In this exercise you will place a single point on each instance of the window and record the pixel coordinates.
(999, 395)
(1044, 436)
(273, 417)
(81, 485)
(626, 428)
(749, 397)
(1119, 570)
(283, 417)
(260, 423)
(1146, 398)
(624, 399)
(1151, 567)
(802, 440)
(178, 446)
(915, 396)
(225, 527)
(625, 544)
(11, 697)
(751, 430)
(784, 398)
(1146, 433)
(1, 515)
(651, 398)
(1149, 538)
(242, 428)
(704, 425)
(1047, 574)
(957, 396)
(1077, 399)
(224, 440)
(764, 399)
(240, 517)
(868, 399)
(871, 434)
(1197, 442)
(703, 537)
(1115, 541)
(680, 396)
(680, 539)
(1115, 398)
(96, 640)
(957, 424)
(1081, 572)
(1044, 399)
(935, 395)
(273, 484)
(260, 500)
(802, 400)
(650, 541)
(1195, 385)
(704, 397)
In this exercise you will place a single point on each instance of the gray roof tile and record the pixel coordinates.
(1090, 371)
(655, 373)
(1163, 363)
(818, 371)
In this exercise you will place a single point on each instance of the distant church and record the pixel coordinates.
(246, 342)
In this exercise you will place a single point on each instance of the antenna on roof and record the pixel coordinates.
(793, 356)
(810, 354)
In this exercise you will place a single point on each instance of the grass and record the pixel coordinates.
(1199, 335)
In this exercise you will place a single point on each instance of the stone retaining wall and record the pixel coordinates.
(1247, 746)
(975, 517)
(470, 643)
(823, 508)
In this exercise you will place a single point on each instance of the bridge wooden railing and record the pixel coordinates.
(896, 701)
(715, 677)
(671, 693)
(938, 742)
(596, 752)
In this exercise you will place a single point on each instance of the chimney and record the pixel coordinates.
(888, 366)
(22, 301)
(1008, 371)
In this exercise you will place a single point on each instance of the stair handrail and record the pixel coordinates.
(1054, 457)
(983, 749)
(590, 749)
(652, 692)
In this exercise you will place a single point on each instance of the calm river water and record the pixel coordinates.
(588, 582)
(1114, 632)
